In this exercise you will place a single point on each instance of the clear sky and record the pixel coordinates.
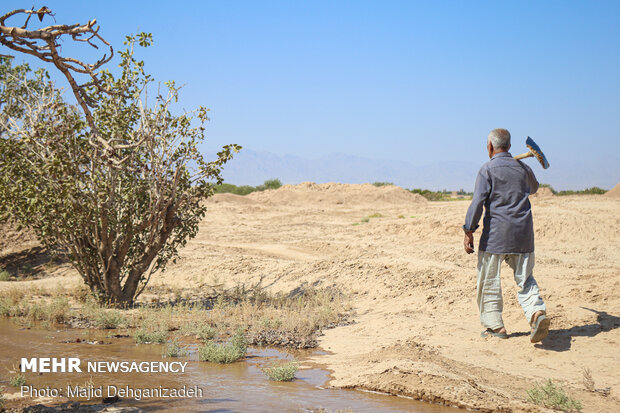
(420, 81)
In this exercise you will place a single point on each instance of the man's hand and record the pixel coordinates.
(469, 242)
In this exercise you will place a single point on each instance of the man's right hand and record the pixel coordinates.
(469, 242)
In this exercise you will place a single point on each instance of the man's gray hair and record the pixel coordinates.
(500, 138)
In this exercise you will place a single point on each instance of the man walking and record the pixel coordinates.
(502, 186)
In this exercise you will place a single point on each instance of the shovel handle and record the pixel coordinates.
(524, 155)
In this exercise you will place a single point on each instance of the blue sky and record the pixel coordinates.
(415, 81)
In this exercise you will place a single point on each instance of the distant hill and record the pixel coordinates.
(251, 167)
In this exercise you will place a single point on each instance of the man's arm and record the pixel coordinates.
(532, 179)
(482, 190)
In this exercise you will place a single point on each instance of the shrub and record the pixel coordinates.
(239, 341)
(247, 189)
(4, 275)
(151, 331)
(17, 380)
(270, 184)
(108, 319)
(595, 190)
(553, 396)
(224, 352)
(219, 353)
(206, 332)
(282, 371)
(57, 310)
(432, 195)
(174, 349)
(382, 183)
(143, 336)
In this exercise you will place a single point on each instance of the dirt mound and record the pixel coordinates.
(614, 192)
(543, 192)
(337, 194)
(231, 199)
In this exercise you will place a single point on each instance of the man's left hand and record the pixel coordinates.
(469, 242)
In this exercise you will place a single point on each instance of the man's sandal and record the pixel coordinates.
(488, 333)
(540, 329)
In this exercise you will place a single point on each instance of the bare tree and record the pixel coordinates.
(116, 184)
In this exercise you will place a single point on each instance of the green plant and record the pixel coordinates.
(219, 353)
(247, 189)
(4, 275)
(109, 319)
(553, 396)
(229, 352)
(58, 310)
(118, 183)
(282, 371)
(382, 183)
(151, 331)
(199, 329)
(174, 349)
(432, 195)
(270, 184)
(17, 380)
(239, 341)
(375, 215)
(206, 332)
(148, 337)
(595, 190)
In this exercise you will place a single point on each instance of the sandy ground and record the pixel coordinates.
(416, 329)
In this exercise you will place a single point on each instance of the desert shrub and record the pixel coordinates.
(54, 311)
(174, 349)
(58, 309)
(595, 190)
(270, 184)
(11, 302)
(219, 353)
(199, 329)
(229, 352)
(109, 319)
(143, 336)
(4, 275)
(17, 380)
(382, 183)
(151, 331)
(206, 332)
(247, 189)
(432, 195)
(553, 396)
(239, 341)
(282, 371)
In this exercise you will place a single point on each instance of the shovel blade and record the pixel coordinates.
(535, 149)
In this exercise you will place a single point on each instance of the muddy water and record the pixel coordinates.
(237, 387)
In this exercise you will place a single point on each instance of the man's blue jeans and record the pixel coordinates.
(490, 301)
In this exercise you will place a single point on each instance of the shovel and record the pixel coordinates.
(535, 152)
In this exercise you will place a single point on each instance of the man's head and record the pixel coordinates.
(498, 141)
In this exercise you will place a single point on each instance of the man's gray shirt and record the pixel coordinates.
(502, 186)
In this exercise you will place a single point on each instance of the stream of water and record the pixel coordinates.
(236, 387)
